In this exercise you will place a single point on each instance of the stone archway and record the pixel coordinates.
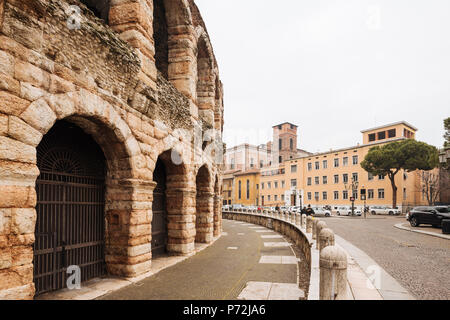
(204, 223)
(70, 224)
(179, 198)
(128, 184)
(217, 208)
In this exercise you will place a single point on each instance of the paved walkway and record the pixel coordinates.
(248, 262)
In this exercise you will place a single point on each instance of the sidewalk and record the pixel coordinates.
(366, 279)
(98, 287)
(428, 230)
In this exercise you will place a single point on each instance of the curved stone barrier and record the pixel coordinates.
(299, 229)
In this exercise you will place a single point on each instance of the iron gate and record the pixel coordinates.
(70, 208)
(159, 221)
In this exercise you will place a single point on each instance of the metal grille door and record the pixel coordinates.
(70, 208)
(159, 221)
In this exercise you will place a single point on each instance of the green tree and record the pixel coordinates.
(408, 155)
(447, 132)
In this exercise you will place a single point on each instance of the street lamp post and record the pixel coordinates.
(353, 186)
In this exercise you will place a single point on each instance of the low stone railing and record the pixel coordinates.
(327, 263)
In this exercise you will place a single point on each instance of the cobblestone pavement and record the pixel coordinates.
(420, 263)
(245, 257)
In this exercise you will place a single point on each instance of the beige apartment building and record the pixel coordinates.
(244, 164)
(320, 179)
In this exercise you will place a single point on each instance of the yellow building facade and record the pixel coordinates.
(246, 188)
(320, 179)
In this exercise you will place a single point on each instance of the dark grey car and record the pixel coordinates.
(429, 215)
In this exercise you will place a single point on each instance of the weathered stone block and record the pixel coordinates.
(14, 150)
(25, 292)
(6, 63)
(27, 72)
(16, 276)
(17, 197)
(9, 84)
(21, 131)
(11, 104)
(23, 221)
(39, 115)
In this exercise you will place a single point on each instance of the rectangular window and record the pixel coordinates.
(404, 194)
(275, 184)
(380, 177)
(276, 197)
(262, 186)
(336, 195)
(345, 161)
(240, 190)
(336, 163)
(325, 164)
(392, 133)
(309, 166)
(317, 165)
(294, 183)
(345, 177)
(370, 194)
(316, 196)
(380, 193)
(336, 178)
(345, 195)
(355, 194)
(282, 197)
(382, 135)
(370, 176)
(309, 196)
(355, 176)
(372, 137)
(324, 195)
(325, 180)
(268, 198)
(248, 189)
(293, 168)
(252, 164)
(317, 180)
(309, 181)
(291, 144)
(355, 160)
(269, 185)
(283, 183)
(280, 143)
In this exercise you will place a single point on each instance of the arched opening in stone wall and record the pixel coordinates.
(204, 207)
(217, 208)
(159, 210)
(170, 206)
(70, 225)
(99, 7)
(205, 81)
(161, 37)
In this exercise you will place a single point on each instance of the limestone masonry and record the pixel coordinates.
(136, 82)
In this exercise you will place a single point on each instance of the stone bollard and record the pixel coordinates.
(320, 225)
(326, 238)
(304, 221)
(314, 228)
(298, 219)
(309, 222)
(333, 274)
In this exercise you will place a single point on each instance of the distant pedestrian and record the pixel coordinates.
(309, 211)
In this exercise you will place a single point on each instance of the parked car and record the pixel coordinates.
(237, 206)
(429, 215)
(347, 211)
(321, 212)
(384, 210)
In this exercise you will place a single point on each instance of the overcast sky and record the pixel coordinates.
(333, 67)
